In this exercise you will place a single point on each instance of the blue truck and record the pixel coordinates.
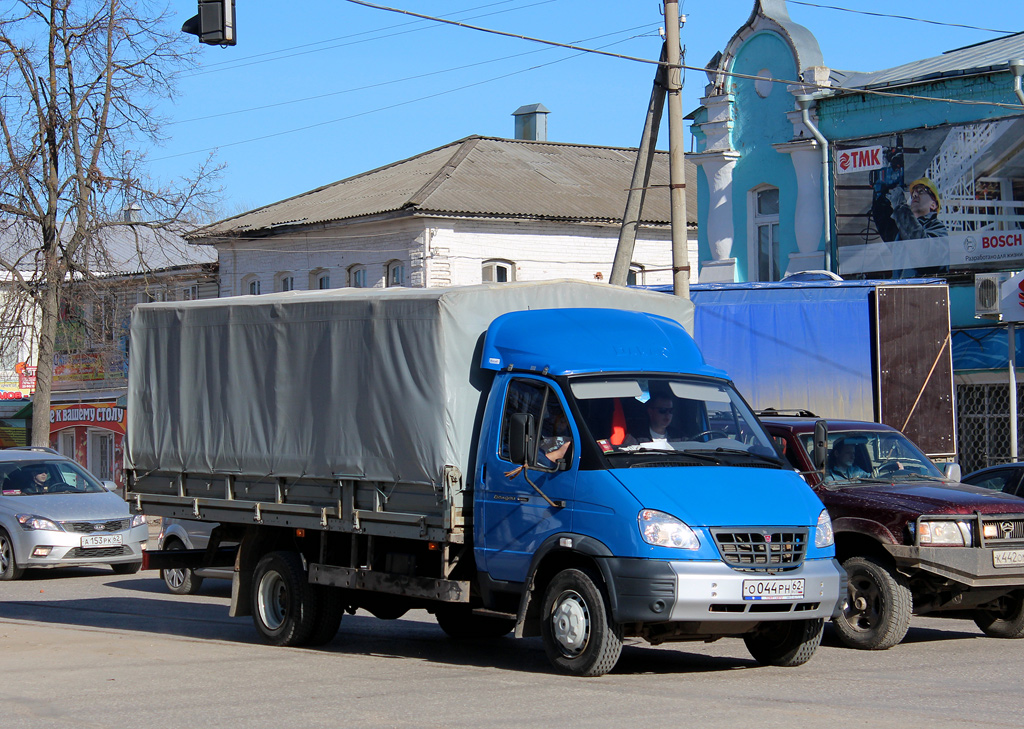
(554, 459)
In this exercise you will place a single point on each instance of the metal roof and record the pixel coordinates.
(990, 56)
(480, 177)
(118, 250)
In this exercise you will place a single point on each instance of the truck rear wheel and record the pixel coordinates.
(1005, 619)
(461, 623)
(787, 643)
(284, 603)
(579, 636)
(876, 614)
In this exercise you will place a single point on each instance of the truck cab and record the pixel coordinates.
(624, 488)
(913, 540)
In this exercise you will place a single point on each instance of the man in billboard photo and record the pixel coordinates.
(898, 218)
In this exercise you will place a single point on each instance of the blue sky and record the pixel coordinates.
(319, 90)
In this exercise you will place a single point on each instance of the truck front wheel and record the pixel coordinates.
(284, 603)
(788, 643)
(1005, 619)
(876, 614)
(579, 636)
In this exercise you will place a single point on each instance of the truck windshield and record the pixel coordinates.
(872, 455)
(651, 416)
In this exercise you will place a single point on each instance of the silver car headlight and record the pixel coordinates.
(138, 520)
(946, 533)
(664, 530)
(31, 522)
(823, 534)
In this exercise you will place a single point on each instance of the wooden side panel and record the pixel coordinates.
(915, 365)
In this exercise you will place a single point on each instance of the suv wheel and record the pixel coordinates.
(1005, 619)
(876, 614)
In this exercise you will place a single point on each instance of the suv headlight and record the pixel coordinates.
(823, 534)
(138, 520)
(664, 530)
(31, 522)
(951, 533)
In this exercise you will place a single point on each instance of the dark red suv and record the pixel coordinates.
(911, 540)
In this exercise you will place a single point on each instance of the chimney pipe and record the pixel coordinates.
(532, 122)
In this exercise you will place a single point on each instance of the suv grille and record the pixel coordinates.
(1007, 529)
(763, 549)
(87, 527)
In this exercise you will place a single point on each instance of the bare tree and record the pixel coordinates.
(79, 80)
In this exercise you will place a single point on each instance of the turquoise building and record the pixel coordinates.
(880, 174)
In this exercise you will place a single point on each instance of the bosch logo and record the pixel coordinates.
(970, 244)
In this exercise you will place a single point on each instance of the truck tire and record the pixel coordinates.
(126, 568)
(876, 614)
(180, 581)
(787, 643)
(9, 569)
(327, 615)
(461, 623)
(284, 606)
(579, 636)
(1005, 620)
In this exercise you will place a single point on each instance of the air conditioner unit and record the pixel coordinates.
(987, 293)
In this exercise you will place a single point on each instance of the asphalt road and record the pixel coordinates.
(87, 648)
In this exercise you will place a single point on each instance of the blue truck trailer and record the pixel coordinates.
(485, 453)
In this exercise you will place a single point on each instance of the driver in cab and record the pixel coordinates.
(659, 417)
(841, 462)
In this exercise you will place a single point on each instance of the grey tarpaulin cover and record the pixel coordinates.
(382, 385)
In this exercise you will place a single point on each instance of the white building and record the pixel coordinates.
(476, 210)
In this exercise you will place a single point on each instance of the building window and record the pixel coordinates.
(496, 271)
(284, 281)
(766, 233)
(635, 277)
(357, 276)
(395, 271)
(251, 285)
(319, 278)
(190, 293)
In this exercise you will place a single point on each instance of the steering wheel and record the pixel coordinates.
(890, 467)
(710, 434)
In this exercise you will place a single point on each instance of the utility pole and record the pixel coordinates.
(666, 81)
(676, 174)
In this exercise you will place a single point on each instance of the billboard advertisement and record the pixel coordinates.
(929, 201)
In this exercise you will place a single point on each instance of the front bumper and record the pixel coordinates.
(971, 566)
(653, 591)
(65, 548)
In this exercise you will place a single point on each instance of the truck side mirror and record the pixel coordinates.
(820, 445)
(522, 434)
(952, 471)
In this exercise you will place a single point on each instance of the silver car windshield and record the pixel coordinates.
(658, 414)
(872, 455)
(35, 478)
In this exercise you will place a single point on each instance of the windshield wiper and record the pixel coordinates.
(751, 454)
(667, 452)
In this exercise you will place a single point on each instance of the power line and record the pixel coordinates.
(902, 17)
(400, 80)
(382, 108)
(238, 63)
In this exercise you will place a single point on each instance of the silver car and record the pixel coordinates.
(54, 513)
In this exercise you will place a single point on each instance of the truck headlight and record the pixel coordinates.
(664, 530)
(823, 534)
(31, 522)
(952, 533)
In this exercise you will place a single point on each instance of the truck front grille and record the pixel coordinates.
(757, 550)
